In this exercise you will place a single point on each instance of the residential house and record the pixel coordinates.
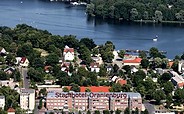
(177, 80)
(2, 51)
(97, 60)
(132, 62)
(48, 69)
(95, 67)
(2, 102)
(22, 61)
(9, 70)
(11, 111)
(68, 54)
(9, 83)
(121, 81)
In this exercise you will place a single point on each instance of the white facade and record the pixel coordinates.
(25, 63)
(95, 69)
(27, 99)
(68, 54)
(2, 102)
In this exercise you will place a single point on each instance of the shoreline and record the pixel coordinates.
(166, 22)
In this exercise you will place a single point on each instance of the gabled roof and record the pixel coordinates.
(11, 110)
(136, 60)
(23, 59)
(95, 88)
(121, 82)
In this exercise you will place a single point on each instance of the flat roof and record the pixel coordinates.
(2, 97)
(27, 91)
(53, 94)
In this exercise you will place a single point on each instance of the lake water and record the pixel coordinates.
(62, 19)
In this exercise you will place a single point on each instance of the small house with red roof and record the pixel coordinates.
(11, 111)
(95, 67)
(68, 54)
(121, 81)
(65, 66)
(132, 62)
(22, 61)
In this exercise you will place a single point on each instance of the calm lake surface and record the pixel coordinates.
(63, 19)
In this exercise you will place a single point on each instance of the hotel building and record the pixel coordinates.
(93, 100)
(27, 99)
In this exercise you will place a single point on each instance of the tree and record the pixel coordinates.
(106, 112)
(103, 71)
(144, 63)
(90, 9)
(121, 53)
(118, 111)
(115, 68)
(43, 92)
(136, 111)
(158, 16)
(80, 112)
(71, 69)
(89, 43)
(164, 78)
(127, 111)
(146, 15)
(10, 59)
(153, 52)
(142, 54)
(65, 89)
(179, 95)
(97, 112)
(75, 87)
(168, 87)
(116, 87)
(87, 90)
(40, 104)
(52, 59)
(134, 14)
(158, 96)
(25, 50)
(88, 112)
(145, 111)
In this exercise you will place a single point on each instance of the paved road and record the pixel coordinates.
(149, 107)
(25, 80)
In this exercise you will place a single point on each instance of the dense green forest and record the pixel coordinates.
(131, 10)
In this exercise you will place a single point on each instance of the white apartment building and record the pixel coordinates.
(2, 102)
(27, 99)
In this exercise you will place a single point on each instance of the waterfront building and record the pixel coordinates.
(27, 99)
(93, 101)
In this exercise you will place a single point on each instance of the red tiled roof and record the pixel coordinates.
(181, 84)
(11, 110)
(95, 88)
(68, 49)
(122, 82)
(23, 59)
(136, 60)
(47, 67)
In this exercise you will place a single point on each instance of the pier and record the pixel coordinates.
(138, 51)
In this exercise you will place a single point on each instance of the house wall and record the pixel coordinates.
(2, 102)
(68, 56)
